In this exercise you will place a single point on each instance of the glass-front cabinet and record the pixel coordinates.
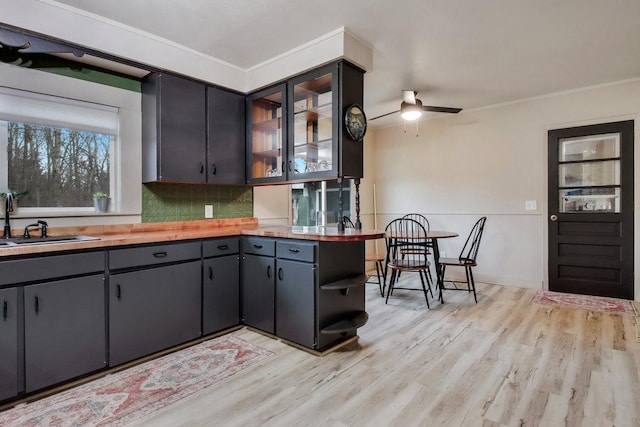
(296, 129)
(266, 131)
(313, 151)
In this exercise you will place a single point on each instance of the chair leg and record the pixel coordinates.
(391, 283)
(424, 289)
(379, 274)
(428, 282)
(473, 285)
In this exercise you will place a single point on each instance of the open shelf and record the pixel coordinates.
(351, 323)
(351, 282)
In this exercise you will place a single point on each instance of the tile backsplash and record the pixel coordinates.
(163, 202)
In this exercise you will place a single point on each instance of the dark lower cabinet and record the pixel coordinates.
(153, 309)
(258, 292)
(8, 343)
(221, 293)
(64, 323)
(296, 302)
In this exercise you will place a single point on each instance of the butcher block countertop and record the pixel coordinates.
(130, 234)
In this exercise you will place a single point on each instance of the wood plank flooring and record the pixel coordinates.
(503, 362)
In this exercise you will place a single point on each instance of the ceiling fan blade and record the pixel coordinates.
(409, 96)
(385, 115)
(441, 109)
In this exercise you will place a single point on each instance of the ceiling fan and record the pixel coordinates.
(411, 107)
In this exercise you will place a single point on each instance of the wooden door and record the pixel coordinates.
(591, 210)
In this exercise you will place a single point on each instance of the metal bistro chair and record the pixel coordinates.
(401, 233)
(376, 258)
(467, 258)
(418, 246)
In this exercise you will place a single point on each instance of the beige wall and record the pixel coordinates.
(488, 162)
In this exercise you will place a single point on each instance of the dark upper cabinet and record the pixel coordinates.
(225, 137)
(296, 132)
(191, 132)
(266, 136)
(173, 129)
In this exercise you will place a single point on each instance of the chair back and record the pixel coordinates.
(347, 223)
(402, 233)
(421, 219)
(470, 249)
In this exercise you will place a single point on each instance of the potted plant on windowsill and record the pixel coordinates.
(101, 201)
(15, 196)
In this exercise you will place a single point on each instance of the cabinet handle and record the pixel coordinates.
(289, 165)
(160, 254)
(268, 273)
(223, 247)
(280, 275)
(36, 303)
(257, 246)
(118, 291)
(294, 250)
(201, 167)
(5, 307)
(215, 169)
(210, 273)
(282, 168)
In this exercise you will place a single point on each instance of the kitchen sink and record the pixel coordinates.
(21, 241)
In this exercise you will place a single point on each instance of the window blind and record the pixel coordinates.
(34, 108)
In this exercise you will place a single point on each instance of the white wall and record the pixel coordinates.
(488, 162)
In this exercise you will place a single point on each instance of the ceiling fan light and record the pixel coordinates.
(411, 112)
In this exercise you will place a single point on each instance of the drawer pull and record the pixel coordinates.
(294, 250)
(223, 247)
(210, 273)
(257, 246)
(5, 307)
(36, 302)
(280, 275)
(160, 254)
(268, 272)
(118, 291)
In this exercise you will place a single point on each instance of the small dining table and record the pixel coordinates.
(433, 236)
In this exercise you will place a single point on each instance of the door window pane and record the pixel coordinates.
(266, 136)
(590, 148)
(585, 174)
(585, 200)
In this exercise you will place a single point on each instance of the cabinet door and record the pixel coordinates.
(266, 136)
(64, 330)
(8, 343)
(174, 129)
(151, 310)
(221, 293)
(295, 302)
(258, 292)
(225, 137)
(313, 128)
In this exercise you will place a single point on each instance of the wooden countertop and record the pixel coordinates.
(130, 234)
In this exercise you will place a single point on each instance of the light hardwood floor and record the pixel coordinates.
(503, 362)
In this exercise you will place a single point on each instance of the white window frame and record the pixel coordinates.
(126, 153)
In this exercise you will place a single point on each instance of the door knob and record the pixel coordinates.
(553, 217)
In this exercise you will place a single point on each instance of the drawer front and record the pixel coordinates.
(299, 251)
(149, 255)
(259, 246)
(50, 267)
(220, 247)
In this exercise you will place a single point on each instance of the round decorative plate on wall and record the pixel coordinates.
(355, 122)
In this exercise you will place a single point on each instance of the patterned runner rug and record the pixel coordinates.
(135, 393)
(587, 302)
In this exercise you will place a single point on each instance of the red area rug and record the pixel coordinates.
(587, 302)
(135, 393)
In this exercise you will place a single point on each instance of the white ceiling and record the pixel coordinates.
(459, 53)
